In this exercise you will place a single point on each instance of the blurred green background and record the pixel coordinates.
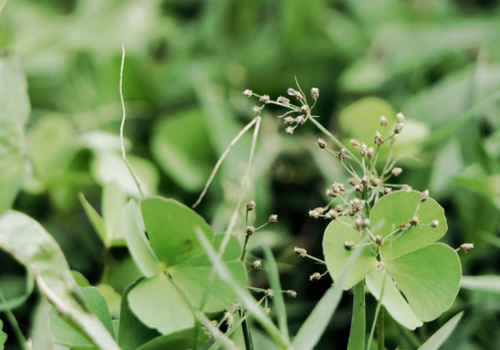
(187, 63)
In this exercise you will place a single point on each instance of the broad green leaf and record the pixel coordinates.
(14, 112)
(358, 321)
(429, 279)
(113, 203)
(132, 333)
(66, 334)
(180, 340)
(481, 283)
(180, 145)
(438, 338)
(17, 301)
(336, 254)
(171, 229)
(278, 301)
(393, 300)
(35, 248)
(112, 298)
(313, 328)
(94, 217)
(3, 336)
(158, 304)
(2, 4)
(399, 207)
(137, 243)
(80, 279)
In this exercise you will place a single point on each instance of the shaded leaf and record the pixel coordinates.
(176, 341)
(438, 338)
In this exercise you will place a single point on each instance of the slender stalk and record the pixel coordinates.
(246, 332)
(13, 323)
(358, 323)
(244, 252)
(380, 329)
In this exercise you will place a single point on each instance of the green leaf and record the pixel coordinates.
(171, 229)
(17, 301)
(132, 333)
(176, 341)
(80, 279)
(3, 336)
(358, 322)
(438, 338)
(137, 243)
(94, 217)
(481, 283)
(429, 279)
(278, 302)
(336, 254)
(113, 203)
(35, 248)
(399, 207)
(14, 113)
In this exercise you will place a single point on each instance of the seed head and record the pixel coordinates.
(424, 196)
(379, 240)
(365, 223)
(332, 215)
(349, 245)
(315, 93)
(398, 128)
(251, 206)
(266, 310)
(405, 226)
(321, 143)
(383, 121)
(400, 117)
(269, 293)
(365, 181)
(371, 153)
(300, 120)
(273, 218)
(397, 171)
(305, 110)
(256, 264)
(381, 266)
(359, 188)
(466, 246)
(355, 143)
(291, 293)
(364, 150)
(331, 193)
(377, 139)
(265, 99)
(359, 223)
(289, 130)
(406, 188)
(353, 181)
(283, 101)
(256, 110)
(248, 93)
(342, 154)
(387, 190)
(300, 251)
(291, 92)
(289, 120)
(414, 221)
(339, 208)
(434, 223)
(250, 230)
(315, 277)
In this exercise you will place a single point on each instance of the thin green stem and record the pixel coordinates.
(380, 329)
(358, 323)
(13, 323)
(246, 332)
(244, 252)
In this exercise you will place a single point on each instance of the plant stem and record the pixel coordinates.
(358, 323)
(13, 323)
(244, 252)
(380, 329)
(246, 333)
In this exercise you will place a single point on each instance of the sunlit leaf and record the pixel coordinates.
(438, 338)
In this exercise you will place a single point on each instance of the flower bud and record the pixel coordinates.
(365, 223)
(283, 101)
(424, 196)
(397, 171)
(266, 310)
(353, 181)
(250, 230)
(289, 130)
(414, 221)
(363, 151)
(383, 121)
(291, 293)
(321, 143)
(377, 139)
(269, 293)
(466, 246)
(315, 93)
(405, 226)
(355, 143)
(342, 154)
(305, 110)
(251, 206)
(434, 223)
(248, 93)
(256, 109)
(332, 215)
(359, 188)
(349, 245)
(359, 223)
(379, 240)
(315, 277)
(398, 128)
(339, 208)
(331, 193)
(300, 251)
(371, 153)
(256, 264)
(291, 92)
(400, 117)
(387, 190)
(289, 120)
(406, 188)
(265, 99)
(300, 120)
(273, 218)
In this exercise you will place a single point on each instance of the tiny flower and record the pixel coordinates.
(383, 121)
(434, 223)
(424, 196)
(365, 181)
(251, 206)
(405, 226)
(331, 193)
(353, 181)
(359, 188)
(266, 310)
(229, 318)
(300, 120)
(265, 99)
(339, 208)
(414, 221)
(398, 128)
(305, 110)
(379, 240)
(355, 143)
(332, 215)
(387, 190)
(359, 223)
(291, 293)
(371, 153)
(248, 93)
(283, 101)
(364, 150)
(315, 277)
(406, 188)
(342, 154)
(365, 223)
(400, 117)
(300, 251)
(289, 120)
(466, 246)
(378, 138)
(250, 230)
(256, 264)
(273, 218)
(256, 109)
(289, 130)
(381, 266)
(315, 93)
(397, 171)
(270, 293)
(341, 186)
(321, 143)
(349, 245)
(291, 92)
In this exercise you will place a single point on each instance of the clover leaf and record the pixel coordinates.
(173, 251)
(419, 278)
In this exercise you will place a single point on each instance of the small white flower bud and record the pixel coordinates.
(424, 196)
(251, 206)
(266, 310)
(248, 93)
(291, 92)
(300, 251)
(353, 181)
(269, 293)
(406, 188)
(256, 109)
(349, 245)
(342, 154)
(359, 188)
(378, 138)
(289, 120)
(414, 221)
(405, 226)
(321, 143)
(387, 190)
(359, 223)
(300, 120)
(257, 264)
(466, 246)
(283, 101)
(305, 110)
(397, 171)
(250, 230)
(365, 181)
(265, 99)
(273, 218)
(339, 208)
(332, 215)
(289, 130)
(364, 150)
(365, 223)
(400, 117)
(355, 143)
(331, 193)
(434, 223)
(291, 293)
(315, 93)
(383, 121)
(379, 240)
(398, 128)
(315, 277)
(371, 153)
(229, 318)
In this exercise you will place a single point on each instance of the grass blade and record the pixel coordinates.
(311, 331)
(242, 293)
(481, 283)
(278, 301)
(442, 334)
(358, 323)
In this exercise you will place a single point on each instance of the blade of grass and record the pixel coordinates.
(242, 293)
(438, 338)
(278, 301)
(312, 329)
(481, 283)
(358, 323)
